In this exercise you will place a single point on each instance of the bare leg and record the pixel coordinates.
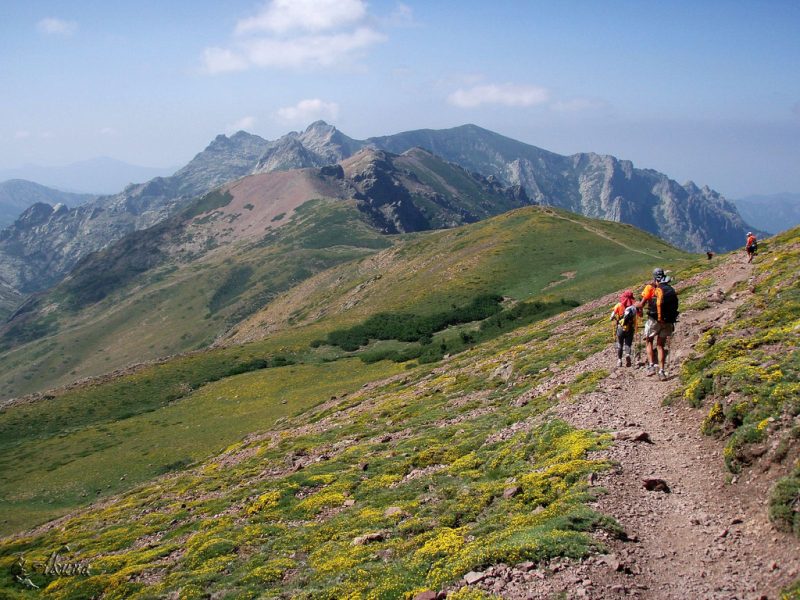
(662, 354)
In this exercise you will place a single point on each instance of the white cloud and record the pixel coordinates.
(320, 50)
(295, 34)
(108, 131)
(282, 16)
(54, 26)
(294, 53)
(22, 135)
(309, 110)
(577, 105)
(46, 135)
(244, 123)
(506, 94)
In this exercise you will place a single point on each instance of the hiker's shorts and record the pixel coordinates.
(653, 328)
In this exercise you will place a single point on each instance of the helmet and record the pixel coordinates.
(658, 274)
(749, 233)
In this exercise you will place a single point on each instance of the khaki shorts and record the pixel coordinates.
(653, 328)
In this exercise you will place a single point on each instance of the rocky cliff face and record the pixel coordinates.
(319, 145)
(9, 298)
(417, 190)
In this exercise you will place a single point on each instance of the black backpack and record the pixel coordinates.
(669, 303)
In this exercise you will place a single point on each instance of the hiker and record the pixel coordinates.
(625, 317)
(751, 246)
(661, 302)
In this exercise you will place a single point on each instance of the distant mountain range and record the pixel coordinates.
(16, 195)
(45, 244)
(95, 176)
(773, 213)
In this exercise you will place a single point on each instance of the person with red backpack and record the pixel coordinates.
(661, 302)
(751, 245)
(625, 317)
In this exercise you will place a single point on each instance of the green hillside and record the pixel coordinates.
(538, 252)
(133, 314)
(511, 254)
(283, 510)
(241, 476)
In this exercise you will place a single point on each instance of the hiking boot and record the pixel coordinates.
(650, 370)
(662, 375)
(628, 360)
(619, 362)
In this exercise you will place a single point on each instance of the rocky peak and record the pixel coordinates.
(327, 142)
(36, 214)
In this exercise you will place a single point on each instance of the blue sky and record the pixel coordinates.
(707, 91)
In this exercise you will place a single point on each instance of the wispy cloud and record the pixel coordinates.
(506, 94)
(244, 123)
(54, 26)
(283, 16)
(22, 135)
(294, 34)
(309, 110)
(108, 131)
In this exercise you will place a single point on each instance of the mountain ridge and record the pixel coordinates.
(599, 186)
(16, 195)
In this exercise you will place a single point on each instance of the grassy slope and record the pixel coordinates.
(173, 308)
(504, 254)
(434, 442)
(518, 254)
(248, 521)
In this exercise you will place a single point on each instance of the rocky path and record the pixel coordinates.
(708, 537)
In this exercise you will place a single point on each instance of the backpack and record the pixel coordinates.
(628, 319)
(669, 303)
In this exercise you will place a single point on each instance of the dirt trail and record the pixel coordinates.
(602, 234)
(707, 538)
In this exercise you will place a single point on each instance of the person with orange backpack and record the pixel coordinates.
(625, 316)
(661, 302)
(751, 246)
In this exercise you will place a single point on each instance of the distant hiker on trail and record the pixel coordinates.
(625, 317)
(751, 246)
(661, 302)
